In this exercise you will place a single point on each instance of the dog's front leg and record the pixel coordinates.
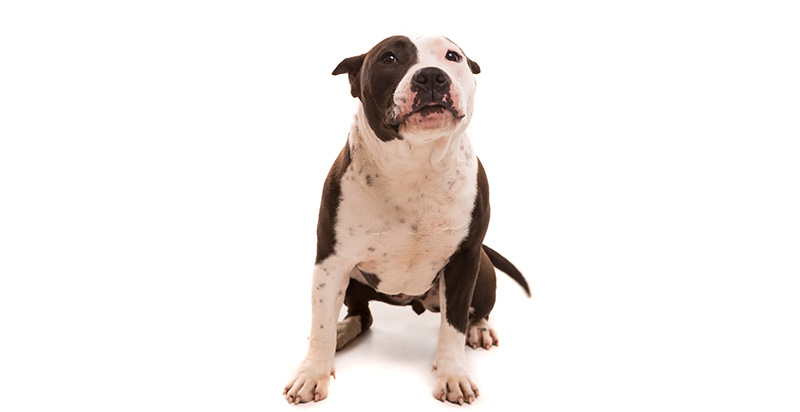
(313, 376)
(455, 295)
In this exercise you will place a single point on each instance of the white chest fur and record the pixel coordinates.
(405, 209)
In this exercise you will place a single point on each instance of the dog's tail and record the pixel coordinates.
(507, 267)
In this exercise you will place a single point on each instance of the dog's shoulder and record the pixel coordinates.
(329, 206)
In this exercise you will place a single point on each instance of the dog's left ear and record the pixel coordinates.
(473, 66)
(352, 66)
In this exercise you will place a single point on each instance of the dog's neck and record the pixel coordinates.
(401, 156)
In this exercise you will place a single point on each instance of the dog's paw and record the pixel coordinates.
(479, 334)
(455, 387)
(347, 330)
(309, 384)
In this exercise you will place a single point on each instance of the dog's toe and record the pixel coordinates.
(479, 334)
(455, 389)
(310, 384)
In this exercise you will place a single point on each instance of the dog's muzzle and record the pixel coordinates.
(432, 91)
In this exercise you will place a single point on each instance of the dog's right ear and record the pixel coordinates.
(352, 66)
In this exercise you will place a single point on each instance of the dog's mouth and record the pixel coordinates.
(425, 111)
(431, 109)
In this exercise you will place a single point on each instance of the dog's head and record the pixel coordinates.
(418, 89)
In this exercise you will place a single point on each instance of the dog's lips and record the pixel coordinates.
(428, 111)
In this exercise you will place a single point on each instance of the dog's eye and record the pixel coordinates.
(452, 56)
(388, 58)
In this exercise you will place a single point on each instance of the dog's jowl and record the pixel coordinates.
(404, 211)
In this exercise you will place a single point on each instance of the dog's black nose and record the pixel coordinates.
(431, 79)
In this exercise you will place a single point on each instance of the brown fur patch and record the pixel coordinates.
(331, 197)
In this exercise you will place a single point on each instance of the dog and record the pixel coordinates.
(404, 212)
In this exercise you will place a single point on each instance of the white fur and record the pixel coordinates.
(311, 381)
(409, 219)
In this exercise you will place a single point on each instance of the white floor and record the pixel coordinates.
(599, 345)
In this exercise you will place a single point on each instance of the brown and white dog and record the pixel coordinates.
(404, 211)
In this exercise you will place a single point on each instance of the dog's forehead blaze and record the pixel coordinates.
(437, 45)
(435, 52)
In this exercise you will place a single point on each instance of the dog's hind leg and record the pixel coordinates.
(358, 318)
(479, 334)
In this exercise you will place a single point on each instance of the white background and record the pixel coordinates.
(161, 164)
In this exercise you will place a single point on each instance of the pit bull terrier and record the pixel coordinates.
(404, 211)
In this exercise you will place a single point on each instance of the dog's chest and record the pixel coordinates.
(402, 226)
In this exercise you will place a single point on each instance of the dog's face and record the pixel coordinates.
(413, 89)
